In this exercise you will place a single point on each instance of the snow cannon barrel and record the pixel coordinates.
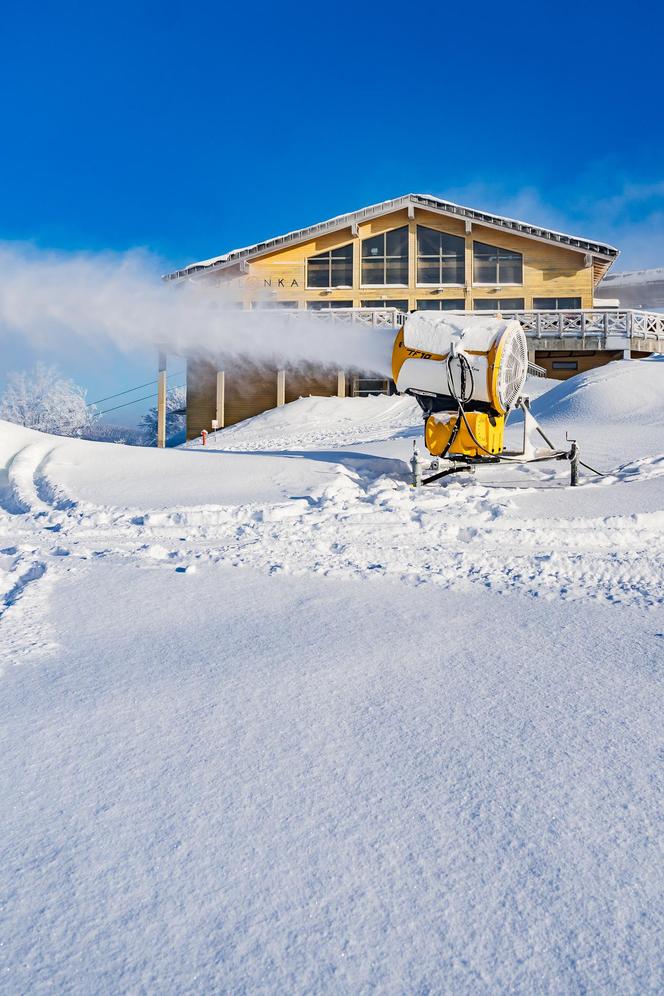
(480, 363)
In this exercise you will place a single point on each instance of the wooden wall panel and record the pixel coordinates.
(201, 396)
(586, 360)
(303, 383)
(550, 270)
(249, 391)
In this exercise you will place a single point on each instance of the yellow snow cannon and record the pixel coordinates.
(467, 373)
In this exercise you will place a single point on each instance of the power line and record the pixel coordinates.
(136, 401)
(130, 389)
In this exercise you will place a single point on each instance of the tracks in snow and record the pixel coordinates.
(356, 527)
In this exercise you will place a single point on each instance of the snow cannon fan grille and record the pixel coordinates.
(513, 366)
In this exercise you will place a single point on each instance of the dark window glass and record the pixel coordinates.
(396, 243)
(493, 265)
(385, 258)
(502, 304)
(565, 365)
(445, 304)
(266, 305)
(556, 303)
(401, 305)
(318, 271)
(331, 269)
(324, 305)
(342, 267)
(396, 272)
(428, 272)
(440, 257)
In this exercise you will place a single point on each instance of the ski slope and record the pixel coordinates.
(229, 766)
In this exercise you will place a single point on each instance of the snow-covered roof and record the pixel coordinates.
(427, 201)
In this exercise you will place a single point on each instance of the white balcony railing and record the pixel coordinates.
(590, 323)
(376, 317)
(599, 326)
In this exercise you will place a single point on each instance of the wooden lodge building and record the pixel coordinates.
(414, 252)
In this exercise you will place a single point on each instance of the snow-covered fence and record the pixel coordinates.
(374, 317)
(599, 324)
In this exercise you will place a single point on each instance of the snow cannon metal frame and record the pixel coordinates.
(467, 374)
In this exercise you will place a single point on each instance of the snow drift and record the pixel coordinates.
(621, 393)
(229, 768)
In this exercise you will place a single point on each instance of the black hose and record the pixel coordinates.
(465, 365)
(592, 469)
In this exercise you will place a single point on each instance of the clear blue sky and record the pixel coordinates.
(191, 129)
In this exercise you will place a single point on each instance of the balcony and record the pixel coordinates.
(585, 329)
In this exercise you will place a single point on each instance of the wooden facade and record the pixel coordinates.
(278, 278)
(541, 269)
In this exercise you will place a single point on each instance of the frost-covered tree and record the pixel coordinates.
(42, 398)
(176, 402)
(107, 432)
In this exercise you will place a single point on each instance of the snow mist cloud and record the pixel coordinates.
(67, 301)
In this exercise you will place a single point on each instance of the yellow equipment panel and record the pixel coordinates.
(487, 430)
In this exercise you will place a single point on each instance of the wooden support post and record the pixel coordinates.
(161, 402)
(469, 270)
(341, 384)
(355, 387)
(281, 388)
(221, 398)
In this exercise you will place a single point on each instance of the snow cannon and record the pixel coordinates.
(467, 374)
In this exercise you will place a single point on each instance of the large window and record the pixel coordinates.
(385, 259)
(502, 304)
(400, 304)
(556, 303)
(324, 305)
(444, 304)
(331, 269)
(493, 265)
(440, 257)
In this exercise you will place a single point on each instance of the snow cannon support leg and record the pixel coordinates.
(574, 465)
(416, 467)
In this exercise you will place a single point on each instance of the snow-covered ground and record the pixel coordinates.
(229, 766)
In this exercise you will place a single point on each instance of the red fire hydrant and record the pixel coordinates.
(204, 435)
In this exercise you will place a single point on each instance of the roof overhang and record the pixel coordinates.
(600, 251)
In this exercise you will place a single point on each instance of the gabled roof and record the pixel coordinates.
(606, 253)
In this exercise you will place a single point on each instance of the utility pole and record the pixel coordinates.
(161, 401)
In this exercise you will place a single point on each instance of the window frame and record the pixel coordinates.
(289, 305)
(316, 305)
(439, 301)
(417, 259)
(374, 304)
(569, 365)
(328, 253)
(385, 258)
(498, 302)
(498, 282)
(578, 307)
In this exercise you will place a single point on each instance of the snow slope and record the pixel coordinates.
(636, 289)
(300, 788)
(605, 405)
(228, 766)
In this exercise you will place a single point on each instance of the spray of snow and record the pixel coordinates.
(84, 300)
